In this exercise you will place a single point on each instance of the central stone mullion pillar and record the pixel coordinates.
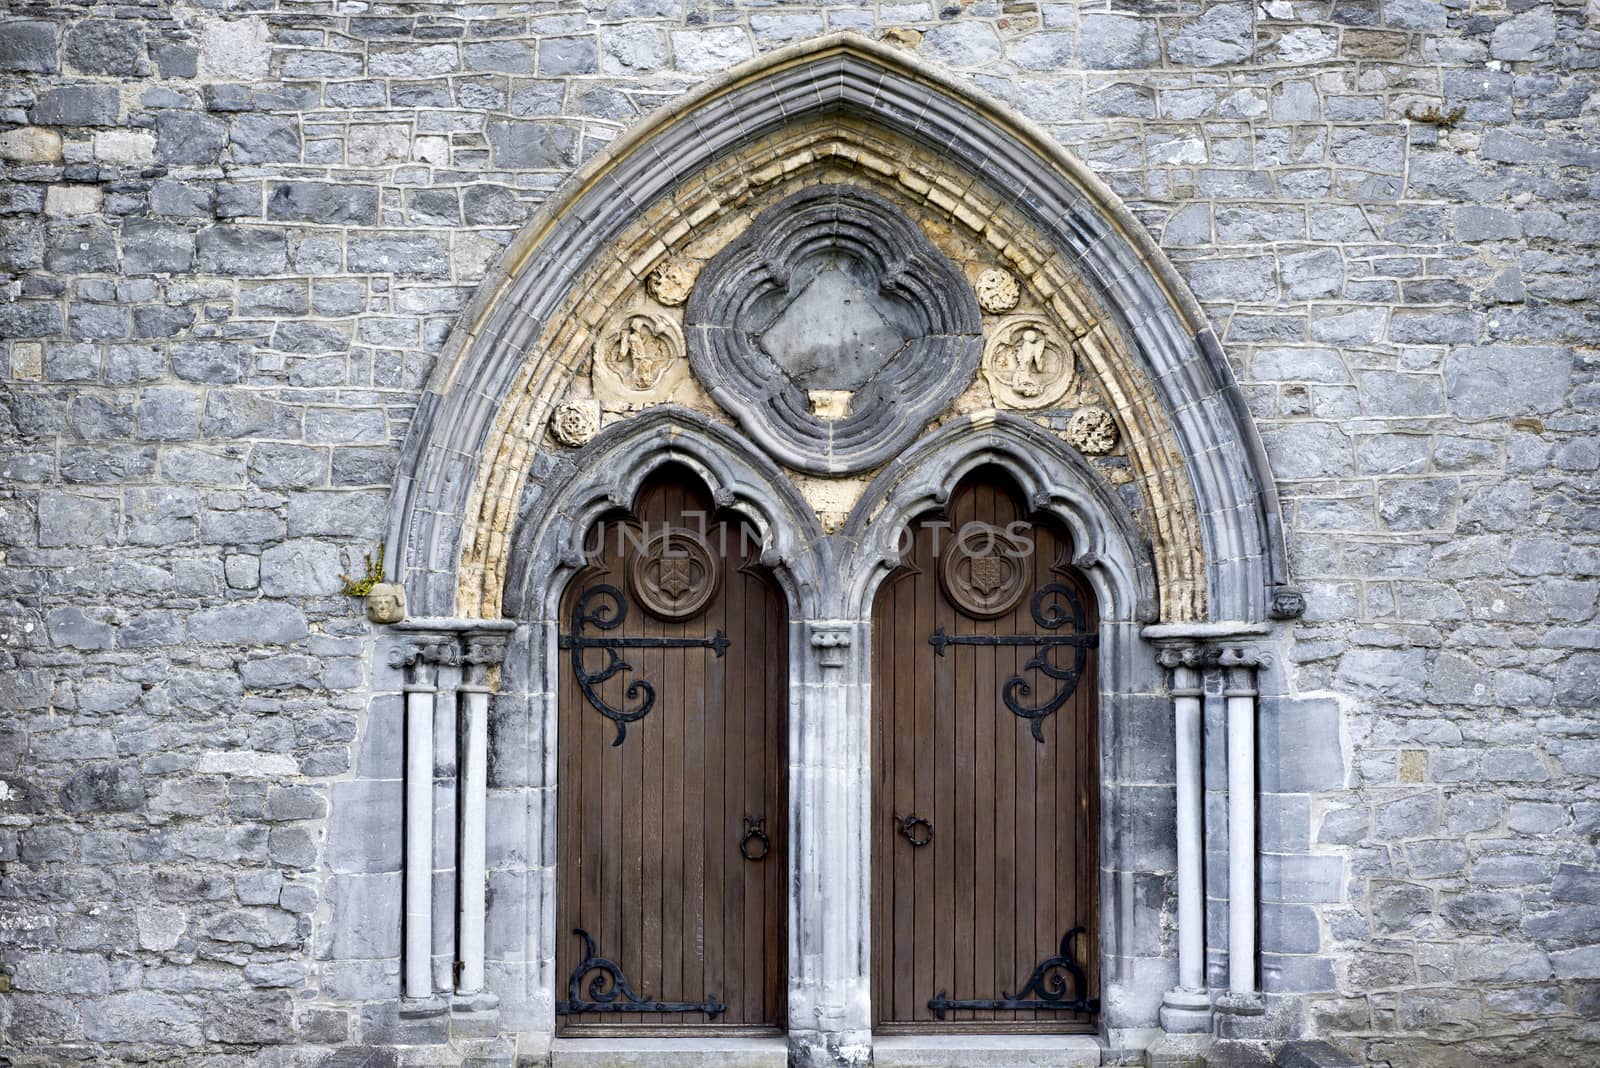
(1187, 1007)
(830, 1020)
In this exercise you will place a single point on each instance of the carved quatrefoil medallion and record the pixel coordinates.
(833, 293)
(674, 574)
(1026, 364)
(639, 359)
(984, 570)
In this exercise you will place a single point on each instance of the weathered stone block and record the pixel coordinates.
(28, 46)
(366, 916)
(241, 250)
(140, 1016)
(249, 624)
(105, 46)
(1224, 34)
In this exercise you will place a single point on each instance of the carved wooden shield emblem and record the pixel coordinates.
(674, 574)
(984, 570)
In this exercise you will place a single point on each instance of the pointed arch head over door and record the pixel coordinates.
(598, 279)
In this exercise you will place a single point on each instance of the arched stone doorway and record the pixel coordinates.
(929, 288)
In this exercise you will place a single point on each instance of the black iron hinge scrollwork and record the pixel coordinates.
(1053, 607)
(1047, 988)
(607, 615)
(609, 990)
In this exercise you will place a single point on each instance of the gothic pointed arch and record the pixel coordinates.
(584, 316)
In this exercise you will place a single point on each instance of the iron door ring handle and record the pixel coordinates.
(755, 831)
(906, 827)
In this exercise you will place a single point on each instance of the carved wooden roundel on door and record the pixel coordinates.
(674, 574)
(984, 570)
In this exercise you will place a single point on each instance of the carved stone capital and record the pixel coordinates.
(422, 657)
(1241, 664)
(832, 643)
(1242, 656)
(1176, 656)
(483, 652)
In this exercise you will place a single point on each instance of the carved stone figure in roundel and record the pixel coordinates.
(984, 570)
(833, 330)
(674, 573)
(639, 359)
(1026, 364)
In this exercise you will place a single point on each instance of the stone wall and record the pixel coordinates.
(233, 241)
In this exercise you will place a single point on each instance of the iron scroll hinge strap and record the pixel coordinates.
(1053, 606)
(1048, 988)
(609, 991)
(608, 615)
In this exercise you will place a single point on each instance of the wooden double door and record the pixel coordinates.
(673, 706)
(673, 718)
(985, 797)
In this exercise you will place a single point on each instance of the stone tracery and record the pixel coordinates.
(975, 230)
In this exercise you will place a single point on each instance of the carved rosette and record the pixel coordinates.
(1092, 431)
(640, 359)
(575, 423)
(984, 570)
(1026, 363)
(675, 574)
(670, 282)
(998, 292)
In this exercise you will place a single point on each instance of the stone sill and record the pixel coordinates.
(670, 1053)
(986, 1051)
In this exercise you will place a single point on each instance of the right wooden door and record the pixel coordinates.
(985, 798)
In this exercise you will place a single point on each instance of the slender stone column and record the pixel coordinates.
(484, 653)
(421, 662)
(1187, 1006)
(1240, 666)
(830, 1015)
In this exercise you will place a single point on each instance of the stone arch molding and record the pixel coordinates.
(1188, 453)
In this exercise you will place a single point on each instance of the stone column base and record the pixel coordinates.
(1185, 1011)
(830, 1049)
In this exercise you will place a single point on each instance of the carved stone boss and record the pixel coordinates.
(428, 650)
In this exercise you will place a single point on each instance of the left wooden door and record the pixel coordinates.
(673, 705)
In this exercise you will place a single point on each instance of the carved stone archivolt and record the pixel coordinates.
(984, 570)
(1026, 364)
(1092, 431)
(953, 212)
(833, 291)
(639, 359)
(674, 574)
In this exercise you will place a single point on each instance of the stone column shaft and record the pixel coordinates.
(417, 967)
(421, 660)
(1187, 1007)
(1241, 698)
(482, 655)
